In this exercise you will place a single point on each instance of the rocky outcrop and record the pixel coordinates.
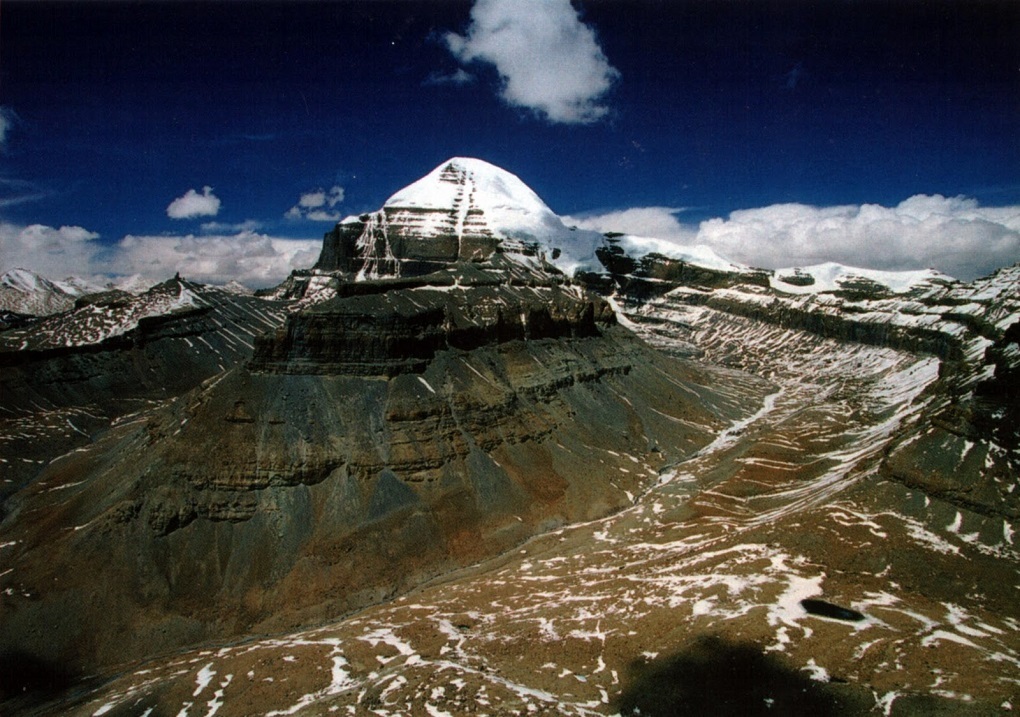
(386, 243)
(651, 275)
(401, 330)
(936, 315)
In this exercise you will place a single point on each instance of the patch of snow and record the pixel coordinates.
(937, 635)
(696, 254)
(203, 679)
(831, 276)
(817, 672)
(885, 702)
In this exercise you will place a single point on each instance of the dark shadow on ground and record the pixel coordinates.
(719, 678)
(27, 680)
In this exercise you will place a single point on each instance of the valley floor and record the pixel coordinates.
(688, 602)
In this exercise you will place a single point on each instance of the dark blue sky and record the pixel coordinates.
(115, 109)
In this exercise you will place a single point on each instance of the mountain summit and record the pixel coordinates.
(27, 292)
(476, 195)
(463, 210)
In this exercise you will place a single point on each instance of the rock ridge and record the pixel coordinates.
(402, 329)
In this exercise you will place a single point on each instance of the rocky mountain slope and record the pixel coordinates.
(27, 293)
(66, 377)
(970, 329)
(619, 494)
(781, 569)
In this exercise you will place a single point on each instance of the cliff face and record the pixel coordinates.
(401, 330)
(388, 243)
(440, 220)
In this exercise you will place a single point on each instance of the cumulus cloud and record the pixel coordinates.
(254, 259)
(53, 252)
(952, 234)
(248, 225)
(193, 204)
(547, 59)
(317, 205)
(658, 222)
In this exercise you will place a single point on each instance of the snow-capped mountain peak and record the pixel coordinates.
(481, 197)
(27, 292)
(464, 210)
(467, 186)
(26, 281)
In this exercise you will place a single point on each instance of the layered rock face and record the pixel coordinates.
(384, 243)
(410, 237)
(389, 242)
(400, 330)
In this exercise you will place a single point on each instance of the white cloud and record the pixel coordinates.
(254, 259)
(55, 253)
(952, 234)
(248, 225)
(547, 59)
(193, 204)
(315, 205)
(321, 215)
(658, 222)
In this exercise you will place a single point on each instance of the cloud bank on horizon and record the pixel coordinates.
(254, 259)
(548, 61)
(952, 234)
